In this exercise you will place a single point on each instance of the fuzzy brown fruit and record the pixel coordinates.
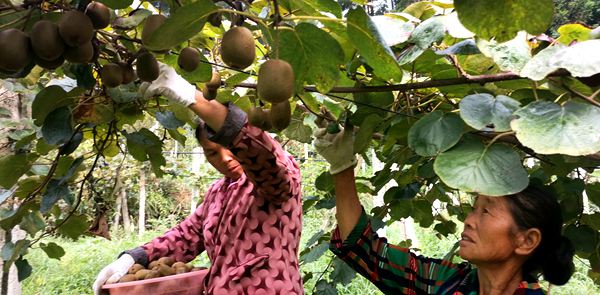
(152, 23)
(49, 64)
(257, 117)
(165, 270)
(135, 268)
(128, 278)
(153, 264)
(99, 14)
(15, 50)
(188, 59)
(281, 115)
(152, 274)
(275, 81)
(208, 93)
(166, 261)
(46, 41)
(81, 54)
(112, 75)
(215, 19)
(147, 67)
(128, 72)
(75, 28)
(215, 81)
(237, 48)
(142, 273)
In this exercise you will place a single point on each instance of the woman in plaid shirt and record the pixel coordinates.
(510, 240)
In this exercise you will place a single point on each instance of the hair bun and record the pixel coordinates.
(559, 266)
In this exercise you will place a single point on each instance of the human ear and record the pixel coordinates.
(528, 241)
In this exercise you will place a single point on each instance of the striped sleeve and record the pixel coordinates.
(391, 268)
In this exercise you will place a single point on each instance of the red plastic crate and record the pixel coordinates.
(190, 283)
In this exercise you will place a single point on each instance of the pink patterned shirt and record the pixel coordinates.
(249, 227)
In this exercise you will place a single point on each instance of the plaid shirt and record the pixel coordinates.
(396, 270)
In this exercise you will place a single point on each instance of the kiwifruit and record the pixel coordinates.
(165, 270)
(15, 50)
(46, 41)
(81, 54)
(152, 23)
(281, 114)
(257, 117)
(49, 64)
(215, 81)
(128, 72)
(152, 274)
(112, 75)
(135, 268)
(179, 264)
(275, 81)
(142, 273)
(267, 125)
(188, 59)
(209, 93)
(75, 28)
(179, 270)
(99, 14)
(166, 260)
(215, 19)
(237, 48)
(153, 264)
(128, 278)
(147, 67)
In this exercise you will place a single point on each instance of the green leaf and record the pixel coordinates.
(584, 237)
(298, 131)
(325, 288)
(53, 250)
(314, 55)
(54, 192)
(12, 167)
(511, 56)
(117, 4)
(315, 252)
(503, 19)
(549, 128)
(131, 21)
(365, 133)
(49, 99)
(573, 32)
(23, 268)
(168, 120)
(324, 182)
(144, 145)
(593, 192)
(124, 93)
(342, 273)
(542, 63)
(58, 126)
(581, 59)
(74, 227)
(465, 47)
(428, 32)
(84, 74)
(364, 36)
(181, 25)
(481, 110)
(203, 73)
(313, 7)
(33, 222)
(434, 133)
(472, 167)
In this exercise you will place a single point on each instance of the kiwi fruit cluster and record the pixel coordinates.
(162, 267)
(115, 74)
(49, 44)
(277, 118)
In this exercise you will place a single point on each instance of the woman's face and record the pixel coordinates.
(222, 159)
(489, 236)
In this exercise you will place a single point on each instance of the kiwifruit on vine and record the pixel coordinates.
(128, 72)
(215, 81)
(99, 14)
(152, 23)
(281, 115)
(257, 117)
(189, 58)
(209, 93)
(112, 75)
(80, 54)
(237, 48)
(215, 19)
(147, 67)
(75, 28)
(275, 81)
(49, 64)
(46, 41)
(15, 50)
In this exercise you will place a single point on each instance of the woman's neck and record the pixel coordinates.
(499, 279)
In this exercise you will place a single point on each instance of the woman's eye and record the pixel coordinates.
(484, 210)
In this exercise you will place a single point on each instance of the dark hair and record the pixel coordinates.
(199, 129)
(538, 207)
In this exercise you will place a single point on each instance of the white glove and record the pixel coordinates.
(337, 149)
(170, 85)
(113, 272)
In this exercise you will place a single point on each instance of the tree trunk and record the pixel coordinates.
(10, 284)
(142, 209)
(126, 221)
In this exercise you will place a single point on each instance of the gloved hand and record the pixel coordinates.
(337, 148)
(113, 272)
(171, 85)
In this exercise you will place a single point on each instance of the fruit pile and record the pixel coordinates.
(162, 267)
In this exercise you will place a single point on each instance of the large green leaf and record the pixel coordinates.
(581, 59)
(144, 145)
(503, 19)
(74, 227)
(181, 25)
(573, 32)
(313, 7)
(12, 167)
(314, 55)
(430, 31)
(315, 252)
(131, 21)
(364, 36)
(54, 192)
(168, 120)
(58, 126)
(298, 131)
(584, 237)
(49, 99)
(542, 63)
(480, 110)
(511, 56)
(365, 133)
(549, 128)
(434, 133)
(472, 167)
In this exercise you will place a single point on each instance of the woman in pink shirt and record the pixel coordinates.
(250, 220)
